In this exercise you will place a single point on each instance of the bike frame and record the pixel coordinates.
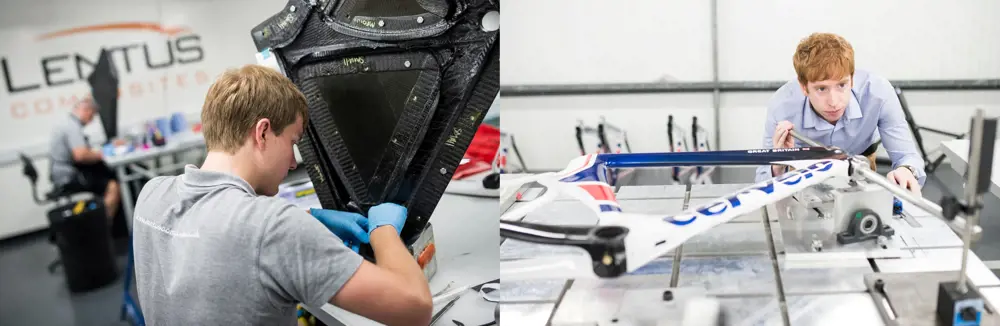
(622, 242)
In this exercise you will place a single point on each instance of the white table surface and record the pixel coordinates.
(958, 154)
(467, 237)
(177, 143)
(126, 170)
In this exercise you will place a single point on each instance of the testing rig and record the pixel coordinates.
(837, 245)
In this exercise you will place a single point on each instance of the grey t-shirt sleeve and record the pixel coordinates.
(301, 260)
(75, 138)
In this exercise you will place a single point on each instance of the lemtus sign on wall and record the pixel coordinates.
(43, 79)
(180, 46)
(167, 56)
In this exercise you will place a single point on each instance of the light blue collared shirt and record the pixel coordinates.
(873, 112)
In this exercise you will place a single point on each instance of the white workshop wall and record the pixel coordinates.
(212, 35)
(591, 41)
(901, 39)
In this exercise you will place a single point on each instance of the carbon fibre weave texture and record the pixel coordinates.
(460, 80)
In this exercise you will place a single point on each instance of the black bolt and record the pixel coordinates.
(668, 295)
(614, 320)
(880, 286)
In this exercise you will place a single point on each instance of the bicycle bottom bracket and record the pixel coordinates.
(607, 252)
(865, 225)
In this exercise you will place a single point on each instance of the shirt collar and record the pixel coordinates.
(854, 108)
(812, 120)
(195, 177)
(76, 118)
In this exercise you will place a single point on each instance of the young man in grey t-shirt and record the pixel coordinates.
(212, 247)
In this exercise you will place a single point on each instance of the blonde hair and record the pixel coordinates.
(241, 97)
(823, 56)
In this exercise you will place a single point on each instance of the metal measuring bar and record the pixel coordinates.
(981, 145)
(958, 225)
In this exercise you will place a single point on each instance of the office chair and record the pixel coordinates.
(59, 194)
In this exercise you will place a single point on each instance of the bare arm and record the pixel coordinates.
(391, 254)
(81, 150)
(301, 260)
(86, 155)
(393, 292)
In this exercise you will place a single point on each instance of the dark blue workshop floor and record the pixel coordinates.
(30, 295)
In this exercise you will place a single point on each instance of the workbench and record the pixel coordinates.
(958, 155)
(466, 233)
(732, 262)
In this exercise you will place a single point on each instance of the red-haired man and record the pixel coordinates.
(836, 105)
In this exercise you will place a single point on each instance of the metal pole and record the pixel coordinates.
(775, 268)
(728, 86)
(716, 93)
(675, 269)
(971, 196)
(958, 225)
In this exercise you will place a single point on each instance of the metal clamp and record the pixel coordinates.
(958, 224)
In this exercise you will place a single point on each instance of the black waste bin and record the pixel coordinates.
(81, 233)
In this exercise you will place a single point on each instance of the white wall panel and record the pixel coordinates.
(900, 39)
(592, 41)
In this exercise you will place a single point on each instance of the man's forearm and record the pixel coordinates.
(95, 156)
(391, 254)
(88, 156)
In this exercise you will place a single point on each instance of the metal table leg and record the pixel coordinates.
(127, 205)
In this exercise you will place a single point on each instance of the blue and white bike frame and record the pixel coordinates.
(622, 242)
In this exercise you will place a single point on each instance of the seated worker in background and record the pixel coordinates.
(74, 163)
(835, 105)
(214, 247)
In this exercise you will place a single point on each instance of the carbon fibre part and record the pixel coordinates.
(396, 90)
(104, 85)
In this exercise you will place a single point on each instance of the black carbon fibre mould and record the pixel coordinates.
(394, 101)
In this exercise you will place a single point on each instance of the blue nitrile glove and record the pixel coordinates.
(350, 227)
(386, 214)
